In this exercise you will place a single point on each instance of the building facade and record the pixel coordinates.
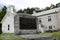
(8, 20)
(46, 20)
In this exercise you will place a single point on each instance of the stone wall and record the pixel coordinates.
(17, 29)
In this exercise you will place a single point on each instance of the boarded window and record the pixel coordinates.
(42, 26)
(49, 18)
(27, 23)
(8, 27)
(50, 27)
(40, 21)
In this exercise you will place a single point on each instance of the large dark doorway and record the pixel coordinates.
(0, 28)
(27, 23)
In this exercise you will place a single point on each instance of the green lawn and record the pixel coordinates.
(10, 36)
(56, 34)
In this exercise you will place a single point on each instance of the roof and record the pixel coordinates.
(5, 17)
(47, 12)
(7, 13)
(37, 14)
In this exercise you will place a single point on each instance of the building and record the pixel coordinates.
(25, 24)
(46, 20)
(8, 20)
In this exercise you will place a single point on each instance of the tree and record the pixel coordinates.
(46, 8)
(20, 11)
(58, 5)
(28, 10)
(3, 12)
(52, 6)
(37, 10)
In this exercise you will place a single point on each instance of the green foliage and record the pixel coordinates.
(0, 28)
(3, 12)
(28, 10)
(10, 36)
(47, 8)
(58, 5)
(20, 11)
(56, 34)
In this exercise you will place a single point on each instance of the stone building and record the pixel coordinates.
(41, 22)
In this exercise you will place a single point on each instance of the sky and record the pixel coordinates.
(21, 4)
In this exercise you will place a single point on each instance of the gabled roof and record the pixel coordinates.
(9, 11)
(37, 14)
(47, 12)
(6, 16)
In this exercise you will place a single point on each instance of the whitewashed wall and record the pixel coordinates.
(8, 21)
(53, 22)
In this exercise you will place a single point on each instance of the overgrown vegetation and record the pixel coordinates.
(56, 34)
(3, 12)
(10, 36)
(0, 28)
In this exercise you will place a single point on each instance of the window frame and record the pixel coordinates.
(50, 27)
(49, 18)
(8, 27)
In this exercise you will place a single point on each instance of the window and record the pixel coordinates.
(42, 25)
(49, 18)
(27, 23)
(8, 27)
(50, 27)
(40, 21)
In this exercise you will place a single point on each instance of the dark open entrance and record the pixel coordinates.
(27, 23)
(0, 28)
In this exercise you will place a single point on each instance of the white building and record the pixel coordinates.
(47, 20)
(8, 20)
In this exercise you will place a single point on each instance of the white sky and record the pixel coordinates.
(21, 4)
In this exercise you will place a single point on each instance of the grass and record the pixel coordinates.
(53, 34)
(10, 36)
(7, 34)
(56, 34)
